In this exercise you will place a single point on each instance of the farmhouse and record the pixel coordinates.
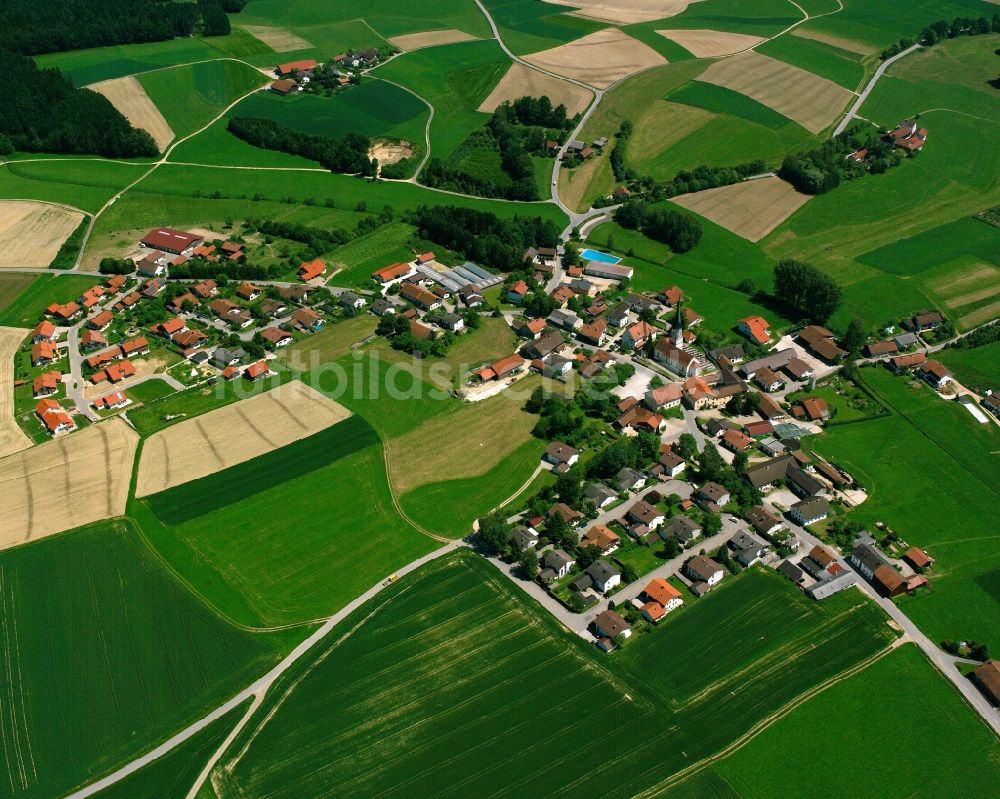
(295, 66)
(498, 370)
(908, 136)
(797, 369)
(396, 271)
(918, 558)
(820, 342)
(935, 373)
(987, 679)
(310, 270)
(774, 361)
(755, 328)
(55, 419)
(170, 240)
(420, 296)
(924, 320)
(903, 362)
(284, 86)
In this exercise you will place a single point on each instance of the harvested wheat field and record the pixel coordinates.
(751, 209)
(12, 438)
(67, 482)
(278, 39)
(31, 233)
(522, 81)
(626, 12)
(234, 434)
(599, 59)
(414, 41)
(808, 99)
(708, 44)
(836, 41)
(128, 96)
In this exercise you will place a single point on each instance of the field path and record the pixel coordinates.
(853, 110)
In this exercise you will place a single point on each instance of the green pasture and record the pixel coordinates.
(363, 255)
(84, 183)
(216, 146)
(11, 287)
(835, 727)
(116, 61)
(916, 254)
(833, 63)
(26, 308)
(375, 108)
(977, 369)
(930, 453)
(190, 96)
(454, 79)
(150, 390)
(106, 653)
(332, 342)
(227, 487)
(450, 507)
(756, 17)
(720, 100)
(453, 669)
(297, 550)
(527, 26)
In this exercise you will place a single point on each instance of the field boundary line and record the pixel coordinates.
(398, 508)
(763, 724)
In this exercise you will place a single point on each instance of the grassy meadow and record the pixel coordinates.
(435, 685)
(84, 183)
(129, 655)
(11, 287)
(36, 293)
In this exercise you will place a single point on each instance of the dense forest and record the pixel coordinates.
(348, 154)
(483, 237)
(41, 111)
(679, 231)
(31, 27)
(826, 167)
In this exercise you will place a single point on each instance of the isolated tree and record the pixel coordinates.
(803, 287)
(854, 338)
(493, 534)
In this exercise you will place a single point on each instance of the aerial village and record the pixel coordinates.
(705, 473)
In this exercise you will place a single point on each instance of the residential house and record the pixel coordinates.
(809, 511)
(187, 340)
(44, 331)
(935, 373)
(802, 482)
(46, 383)
(567, 320)
(381, 307)
(763, 475)
(546, 344)
(906, 340)
(44, 352)
(815, 409)
(276, 336)
(205, 289)
(768, 379)
(176, 304)
(610, 625)
(903, 362)
(54, 417)
(714, 493)
(878, 349)
(600, 536)
(636, 336)
(471, 296)
(248, 291)
(310, 270)
(350, 300)
(755, 328)
(747, 549)
(736, 441)
(682, 527)
(594, 332)
(498, 370)
(818, 562)
(518, 292)
(92, 339)
(559, 454)
(306, 320)
(530, 329)
(225, 357)
(523, 537)
(115, 399)
(672, 464)
(763, 521)
(618, 315)
(639, 303)
(295, 293)
(732, 353)
(135, 346)
(704, 569)
(115, 283)
(798, 369)
(604, 576)
(559, 562)
(791, 571)
(821, 342)
(170, 327)
(561, 295)
(452, 322)
(639, 418)
(629, 479)
(599, 494)
(645, 514)
(256, 371)
(668, 396)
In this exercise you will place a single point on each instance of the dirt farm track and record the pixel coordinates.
(73, 480)
(234, 434)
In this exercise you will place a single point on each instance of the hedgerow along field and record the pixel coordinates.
(106, 653)
(297, 551)
(434, 686)
(835, 727)
(190, 96)
(930, 448)
(227, 487)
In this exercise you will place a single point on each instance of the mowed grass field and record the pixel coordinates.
(11, 287)
(836, 726)
(821, 58)
(931, 473)
(455, 79)
(451, 683)
(26, 304)
(298, 550)
(190, 96)
(84, 183)
(105, 653)
(977, 369)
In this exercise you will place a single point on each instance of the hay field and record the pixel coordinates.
(414, 41)
(808, 99)
(67, 482)
(751, 209)
(836, 41)
(31, 233)
(12, 438)
(521, 81)
(626, 12)
(278, 39)
(599, 59)
(128, 96)
(703, 43)
(234, 434)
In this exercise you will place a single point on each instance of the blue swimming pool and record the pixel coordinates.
(597, 255)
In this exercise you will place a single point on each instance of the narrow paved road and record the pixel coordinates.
(853, 111)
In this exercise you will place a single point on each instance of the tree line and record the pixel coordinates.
(348, 154)
(823, 168)
(32, 28)
(483, 237)
(44, 112)
(802, 286)
(317, 239)
(679, 231)
(942, 29)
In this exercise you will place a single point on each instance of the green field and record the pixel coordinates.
(977, 369)
(150, 390)
(26, 308)
(375, 108)
(84, 183)
(758, 18)
(436, 506)
(455, 79)
(834, 728)
(721, 100)
(916, 254)
(189, 97)
(931, 453)
(297, 551)
(11, 287)
(222, 489)
(436, 685)
(527, 26)
(105, 653)
(840, 66)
